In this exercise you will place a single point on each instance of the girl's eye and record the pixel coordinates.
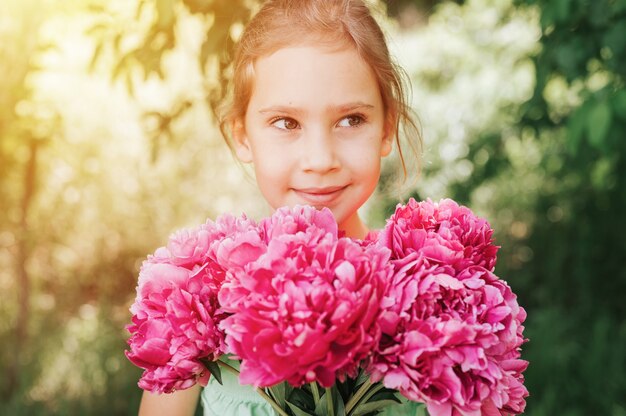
(285, 123)
(353, 120)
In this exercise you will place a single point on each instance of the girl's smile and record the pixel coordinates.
(320, 197)
(315, 131)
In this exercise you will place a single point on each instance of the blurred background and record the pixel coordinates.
(108, 144)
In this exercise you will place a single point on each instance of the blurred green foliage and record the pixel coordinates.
(564, 239)
(84, 196)
(574, 286)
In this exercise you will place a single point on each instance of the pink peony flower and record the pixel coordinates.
(451, 330)
(173, 328)
(307, 309)
(176, 314)
(298, 219)
(443, 232)
(187, 247)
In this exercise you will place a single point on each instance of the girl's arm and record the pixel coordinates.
(180, 403)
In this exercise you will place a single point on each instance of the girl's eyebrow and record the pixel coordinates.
(281, 109)
(342, 108)
(358, 105)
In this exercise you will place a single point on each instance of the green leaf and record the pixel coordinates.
(301, 398)
(214, 369)
(280, 393)
(384, 394)
(349, 386)
(298, 411)
(421, 410)
(619, 104)
(598, 124)
(340, 407)
(300, 401)
(321, 407)
(362, 378)
(370, 407)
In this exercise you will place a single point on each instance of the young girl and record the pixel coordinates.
(316, 104)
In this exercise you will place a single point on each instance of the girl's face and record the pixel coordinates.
(315, 131)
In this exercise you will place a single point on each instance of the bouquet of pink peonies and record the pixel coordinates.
(452, 330)
(324, 324)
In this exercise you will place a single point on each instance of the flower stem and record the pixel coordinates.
(316, 392)
(261, 392)
(372, 391)
(329, 402)
(271, 401)
(228, 367)
(358, 395)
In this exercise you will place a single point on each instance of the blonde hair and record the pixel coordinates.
(339, 23)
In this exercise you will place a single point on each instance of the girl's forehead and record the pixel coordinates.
(313, 77)
(300, 55)
(304, 59)
(329, 42)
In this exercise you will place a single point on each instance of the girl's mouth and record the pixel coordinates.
(320, 196)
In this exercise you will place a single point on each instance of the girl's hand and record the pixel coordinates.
(180, 403)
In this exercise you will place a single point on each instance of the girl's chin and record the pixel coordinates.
(353, 226)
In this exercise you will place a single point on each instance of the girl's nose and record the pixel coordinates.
(318, 152)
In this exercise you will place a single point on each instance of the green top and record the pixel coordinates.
(233, 399)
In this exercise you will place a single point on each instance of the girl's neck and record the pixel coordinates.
(354, 227)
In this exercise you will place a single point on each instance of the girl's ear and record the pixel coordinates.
(388, 135)
(240, 141)
(386, 145)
